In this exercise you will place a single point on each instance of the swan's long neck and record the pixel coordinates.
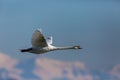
(70, 47)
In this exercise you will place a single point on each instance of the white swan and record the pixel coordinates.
(41, 45)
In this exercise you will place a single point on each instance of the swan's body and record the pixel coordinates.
(41, 45)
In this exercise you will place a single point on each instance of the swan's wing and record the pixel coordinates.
(38, 39)
(49, 40)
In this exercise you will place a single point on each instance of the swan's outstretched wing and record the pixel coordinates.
(49, 40)
(38, 39)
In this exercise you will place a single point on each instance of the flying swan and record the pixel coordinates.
(41, 45)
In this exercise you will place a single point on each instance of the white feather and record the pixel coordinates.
(49, 40)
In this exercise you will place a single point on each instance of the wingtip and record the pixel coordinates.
(22, 50)
(39, 29)
(26, 50)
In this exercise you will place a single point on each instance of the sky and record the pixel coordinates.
(94, 25)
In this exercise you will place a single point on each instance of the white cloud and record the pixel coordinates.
(116, 71)
(48, 69)
(8, 64)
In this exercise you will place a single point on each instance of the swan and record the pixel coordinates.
(41, 45)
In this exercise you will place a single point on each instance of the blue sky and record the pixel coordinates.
(92, 24)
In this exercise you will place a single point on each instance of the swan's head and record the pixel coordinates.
(77, 47)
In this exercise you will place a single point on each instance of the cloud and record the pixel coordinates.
(7, 67)
(47, 69)
(116, 71)
(7, 62)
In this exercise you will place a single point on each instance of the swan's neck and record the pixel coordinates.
(69, 47)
